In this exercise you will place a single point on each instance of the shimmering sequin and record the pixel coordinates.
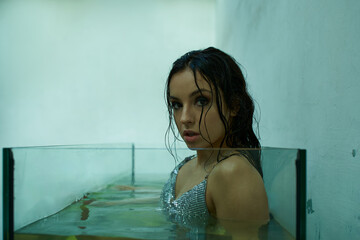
(190, 208)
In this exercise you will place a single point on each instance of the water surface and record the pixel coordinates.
(124, 212)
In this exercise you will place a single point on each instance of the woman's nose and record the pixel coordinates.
(187, 115)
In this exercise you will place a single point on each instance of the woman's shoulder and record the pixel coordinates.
(233, 173)
(235, 182)
(235, 165)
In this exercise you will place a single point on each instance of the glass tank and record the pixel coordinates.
(113, 192)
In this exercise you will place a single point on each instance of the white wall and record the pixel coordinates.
(92, 71)
(302, 62)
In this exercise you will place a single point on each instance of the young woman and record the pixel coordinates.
(208, 101)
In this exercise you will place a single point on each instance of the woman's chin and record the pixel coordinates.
(193, 146)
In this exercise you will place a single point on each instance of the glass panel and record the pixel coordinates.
(280, 182)
(47, 179)
(114, 191)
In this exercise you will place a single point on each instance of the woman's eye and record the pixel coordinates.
(175, 105)
(202, 101)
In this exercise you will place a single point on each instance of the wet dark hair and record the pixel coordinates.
(224, 75)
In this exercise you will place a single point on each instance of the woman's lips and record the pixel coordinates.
(190, 136)
(190, 139)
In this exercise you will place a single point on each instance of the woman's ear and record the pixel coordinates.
(235, 107)
(233, 113)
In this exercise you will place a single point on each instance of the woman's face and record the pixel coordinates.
(188, 103)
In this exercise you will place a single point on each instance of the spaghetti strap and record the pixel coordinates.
(233, 154)
(207, 175)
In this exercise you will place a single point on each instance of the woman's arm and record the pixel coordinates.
(237, 193)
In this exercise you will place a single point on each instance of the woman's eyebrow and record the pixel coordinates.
(172, 97)
(199, 91)
(194, 93)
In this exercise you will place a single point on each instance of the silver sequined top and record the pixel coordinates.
(190, 208)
